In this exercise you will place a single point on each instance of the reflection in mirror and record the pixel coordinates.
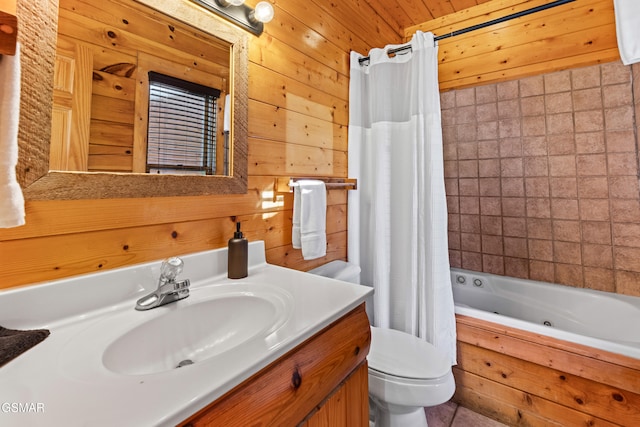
(182, 130)
(108, 124)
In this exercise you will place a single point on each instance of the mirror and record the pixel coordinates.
(40, 178)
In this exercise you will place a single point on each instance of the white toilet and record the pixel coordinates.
(405, 373)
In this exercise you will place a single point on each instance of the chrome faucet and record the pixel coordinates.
(169, 290)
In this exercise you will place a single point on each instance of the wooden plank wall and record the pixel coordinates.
(572, 35)
(525, 379)
(298, 90)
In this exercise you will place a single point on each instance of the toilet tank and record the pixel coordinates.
(347, 272)
(339, 270)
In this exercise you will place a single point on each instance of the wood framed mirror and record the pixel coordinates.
(102, 55)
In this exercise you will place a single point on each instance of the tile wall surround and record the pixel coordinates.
(541, 176)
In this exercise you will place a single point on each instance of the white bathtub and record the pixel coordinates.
(601, 320)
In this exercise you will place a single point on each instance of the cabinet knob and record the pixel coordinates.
(296, 379)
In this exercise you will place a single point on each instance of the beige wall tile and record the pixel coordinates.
(596, 232)
(600, 279)
(585, 77)
(567, 252)
(587, 99)
(591, 164)
(490, 206)
(515, 247)
(533, 106)
(541, 270)
(627, 282)
(562, 165)
(557, 82)
(541, 250)
(485, 94)
(489, 186)
(597, 255)
(618, 95)
(621, 141)
(593, 187)
(539, 228)
(594, 210)
(491, 225)
(558, 103)
(508, 90)
(531, 86)
(626, 235)
(536, 166)
(627, 259)
(565, 187)
(561, 144)
(544, 172)
(590, 142)
(567, 231)
(472, 261)
(569, 274)
(537, 187)
(615, 72)
(493, 264)
(564, 209)
(516, 227)
(465, 97)
(516, 267)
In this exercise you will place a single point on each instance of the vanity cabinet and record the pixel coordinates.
(321, 382)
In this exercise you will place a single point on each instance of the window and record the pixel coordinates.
(181, 136)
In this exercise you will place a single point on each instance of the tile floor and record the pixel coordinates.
(451, 415)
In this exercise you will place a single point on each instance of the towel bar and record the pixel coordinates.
(284, 184)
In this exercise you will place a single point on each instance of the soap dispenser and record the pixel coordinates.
(238, 255)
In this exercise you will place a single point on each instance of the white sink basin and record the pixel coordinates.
(211, 321)
(195, 332)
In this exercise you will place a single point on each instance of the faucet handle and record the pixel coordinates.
(170, 268)
(182, 285)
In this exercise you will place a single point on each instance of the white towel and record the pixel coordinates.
(11, 198)
(227, 114)
(310, 218)
(296, 241)
(628, 29)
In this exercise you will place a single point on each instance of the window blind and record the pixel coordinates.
(181, 136)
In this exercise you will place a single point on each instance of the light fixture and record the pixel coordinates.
(240, 14)
(262, 13)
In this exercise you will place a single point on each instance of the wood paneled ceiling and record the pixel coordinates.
(401, 14)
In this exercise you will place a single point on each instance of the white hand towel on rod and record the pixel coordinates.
(295, 231)
(11, 198)
(310, 218)
(628, 29)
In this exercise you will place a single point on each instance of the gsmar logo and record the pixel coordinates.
(21, 407)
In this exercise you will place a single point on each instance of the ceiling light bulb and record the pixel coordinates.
(236, 2)
(263, 12)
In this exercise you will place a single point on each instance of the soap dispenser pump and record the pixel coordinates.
(238, 255)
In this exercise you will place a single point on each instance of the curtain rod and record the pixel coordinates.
(483, 25)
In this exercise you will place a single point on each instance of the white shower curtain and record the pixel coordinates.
(398, 216)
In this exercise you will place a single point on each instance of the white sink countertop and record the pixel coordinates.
(71, 379)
